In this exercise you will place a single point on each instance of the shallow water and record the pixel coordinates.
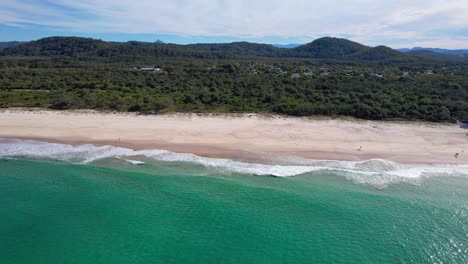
(109, 210)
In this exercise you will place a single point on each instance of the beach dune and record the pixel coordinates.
(232, 136)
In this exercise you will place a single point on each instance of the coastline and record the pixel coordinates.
(245, 136)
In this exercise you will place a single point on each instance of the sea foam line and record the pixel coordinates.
(377, 172)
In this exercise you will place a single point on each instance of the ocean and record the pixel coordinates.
(89, 204)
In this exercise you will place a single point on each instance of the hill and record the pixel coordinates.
(93, 49)
(382, 53)
(329, 48)
(239, 48)
(57, 46)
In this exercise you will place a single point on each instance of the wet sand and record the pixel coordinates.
(241, 135)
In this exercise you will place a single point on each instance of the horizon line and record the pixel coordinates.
(221, 42)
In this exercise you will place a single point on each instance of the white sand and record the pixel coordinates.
(224, 135)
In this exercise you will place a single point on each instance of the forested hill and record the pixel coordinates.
(329, 76)
(382, 53)
(329, 48)
(93, 49)
(240, 48)
(323, 48)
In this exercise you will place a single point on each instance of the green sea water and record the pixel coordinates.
(59, 212)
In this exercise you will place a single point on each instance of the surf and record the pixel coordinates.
(376, 172)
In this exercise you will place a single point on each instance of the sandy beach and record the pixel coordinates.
(238, 136)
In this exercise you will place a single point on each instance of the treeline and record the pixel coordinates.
(85, 48)
(369, 89)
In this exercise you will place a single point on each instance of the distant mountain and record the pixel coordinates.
(287, 46)
(428, 54)
(10, 44)
(330, 48)
(137, 43)
(436, 50)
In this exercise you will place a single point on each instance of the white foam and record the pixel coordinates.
(376, 172)
(133, 162)
(136, 162)
(36, 149)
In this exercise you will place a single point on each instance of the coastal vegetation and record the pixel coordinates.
(326, 77)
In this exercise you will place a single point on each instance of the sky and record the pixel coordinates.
(395, 23)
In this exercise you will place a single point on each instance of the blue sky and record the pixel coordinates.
(395, 23)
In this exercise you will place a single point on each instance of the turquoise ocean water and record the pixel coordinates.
(64, 204)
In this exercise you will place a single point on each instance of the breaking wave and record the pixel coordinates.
(376, 172)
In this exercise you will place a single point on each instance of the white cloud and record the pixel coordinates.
(371, 21)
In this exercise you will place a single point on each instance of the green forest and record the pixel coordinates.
(332, 77)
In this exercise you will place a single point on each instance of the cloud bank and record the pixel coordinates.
(396, 22)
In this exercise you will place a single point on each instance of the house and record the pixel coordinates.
(429, 72)
(296, 75)
(150, 68)
(378, 75)
(147, 68)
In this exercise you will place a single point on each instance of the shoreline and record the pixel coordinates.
(248, 137)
